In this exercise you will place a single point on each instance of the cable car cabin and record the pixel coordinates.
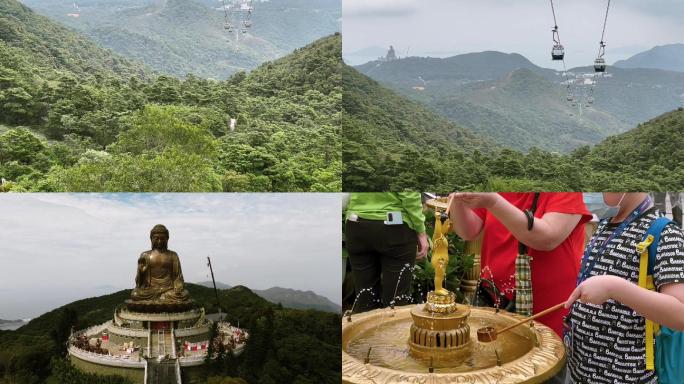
(600, 65)
(557, 52)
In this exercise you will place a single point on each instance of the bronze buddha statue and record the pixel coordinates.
(159, 280)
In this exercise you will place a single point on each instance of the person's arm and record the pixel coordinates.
(665, 307)
(466, 223)
(547, 233)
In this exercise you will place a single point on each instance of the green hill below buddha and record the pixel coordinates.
(274, 351)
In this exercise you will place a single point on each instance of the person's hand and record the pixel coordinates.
(423, 246)
(594, 290)
(475, 199)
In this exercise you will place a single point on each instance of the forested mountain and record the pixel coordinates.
(653, 151)
(393, 144)
(274, 352)
(520, 105)
(288, 298)
(61, 130)
(178, 37)
(459, 69)
(50, 46)
(668, 57)
(390, 142)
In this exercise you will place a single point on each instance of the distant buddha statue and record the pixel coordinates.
(159, 277)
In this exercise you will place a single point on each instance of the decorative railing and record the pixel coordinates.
(159, 316)
(194, 331)
(116, 361)
(94, 330)
(191, 361)
(121, 331)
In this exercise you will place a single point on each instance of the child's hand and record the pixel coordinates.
(594, 290)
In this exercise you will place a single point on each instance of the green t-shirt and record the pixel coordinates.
(375, 205)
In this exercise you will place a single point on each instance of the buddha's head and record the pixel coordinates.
(159, 236)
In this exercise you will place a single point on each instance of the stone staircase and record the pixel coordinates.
(165, 371)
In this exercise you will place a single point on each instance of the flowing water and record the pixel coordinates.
(390, 348)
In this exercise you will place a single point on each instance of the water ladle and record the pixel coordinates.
(488, 334)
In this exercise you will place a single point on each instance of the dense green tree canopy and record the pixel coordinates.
(108, 131)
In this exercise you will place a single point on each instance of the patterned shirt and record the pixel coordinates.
(608, 341)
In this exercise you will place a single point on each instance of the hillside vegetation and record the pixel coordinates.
(393, 144)
(521, 106)
(178, 37)
(51, 47)
(109, 132)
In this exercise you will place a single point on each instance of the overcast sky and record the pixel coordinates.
(57, 248)
(447, 27)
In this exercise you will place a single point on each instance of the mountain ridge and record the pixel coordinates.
(389, 145)
(55, 46)
(668, 57)
(180, 37)
(288, 297)
(490, 90)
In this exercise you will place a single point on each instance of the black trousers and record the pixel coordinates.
(378, 253)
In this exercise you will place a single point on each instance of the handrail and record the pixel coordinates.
(95, 329)
(173, 343)
(145, 381)
(149, 342)
(179, 379)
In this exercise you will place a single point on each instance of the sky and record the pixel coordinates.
(58, 248)
(442, 28)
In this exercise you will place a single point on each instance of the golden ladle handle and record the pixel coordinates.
(540, 314)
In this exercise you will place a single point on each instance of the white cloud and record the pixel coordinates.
(379, 8)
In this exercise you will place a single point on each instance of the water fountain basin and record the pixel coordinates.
(526, 354)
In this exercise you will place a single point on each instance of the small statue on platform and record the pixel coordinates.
(159, 276)
(440, 251)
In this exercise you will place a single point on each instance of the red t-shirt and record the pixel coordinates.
(554, 272)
